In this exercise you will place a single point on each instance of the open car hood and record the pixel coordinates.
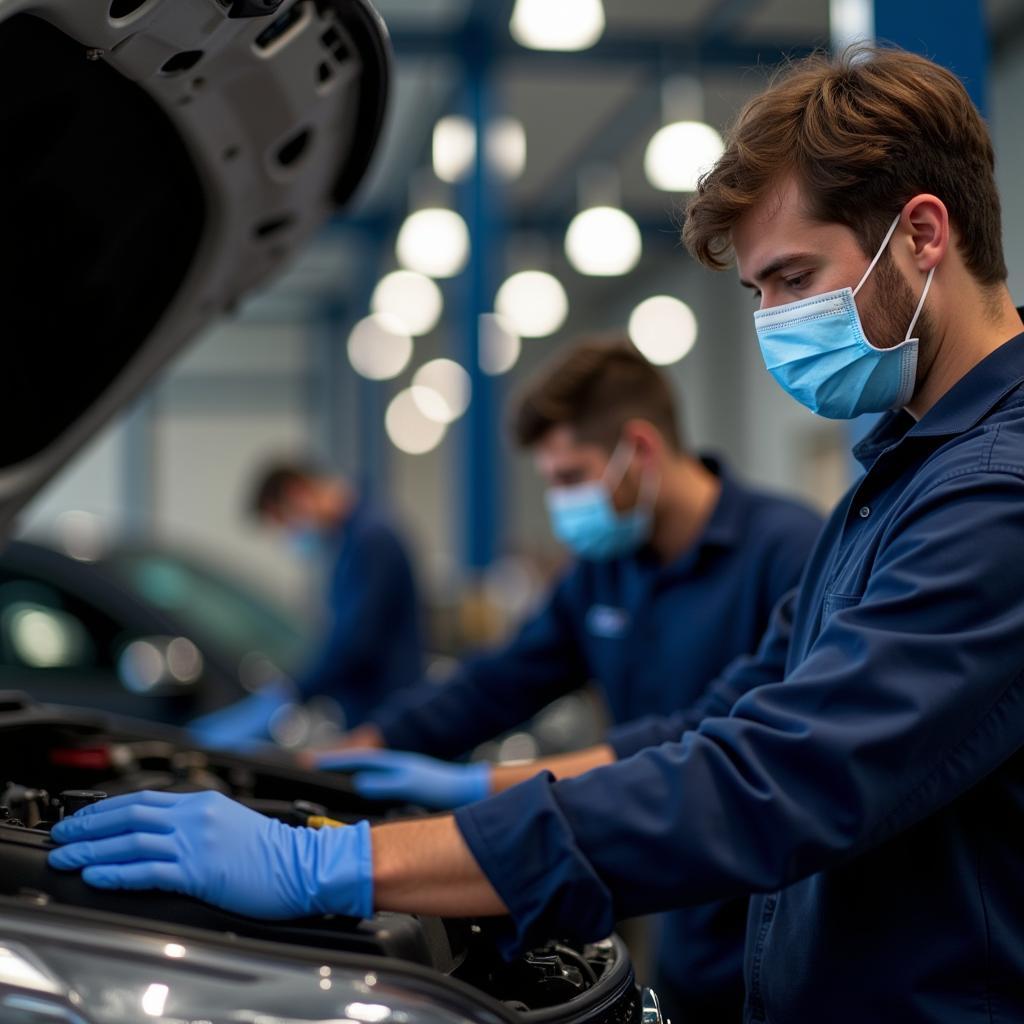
(161, 158)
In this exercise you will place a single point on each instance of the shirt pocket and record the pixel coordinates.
(837, 602)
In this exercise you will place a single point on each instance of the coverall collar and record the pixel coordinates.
(960, 409)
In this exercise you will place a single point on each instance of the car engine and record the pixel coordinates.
(57, 760)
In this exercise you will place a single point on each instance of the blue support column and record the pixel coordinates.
(953, 33)
(478, 434)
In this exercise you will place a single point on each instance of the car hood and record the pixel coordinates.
(162, 158)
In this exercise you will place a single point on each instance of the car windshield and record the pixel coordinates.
(243, 624)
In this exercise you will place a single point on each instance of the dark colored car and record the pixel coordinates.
(138, 632)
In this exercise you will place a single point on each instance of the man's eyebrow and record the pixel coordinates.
(775, 266)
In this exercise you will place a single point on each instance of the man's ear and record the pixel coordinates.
(925, 221)
(647, 442)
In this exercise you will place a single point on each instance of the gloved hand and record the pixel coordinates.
(396, 775)
(208, 846)
(248, 721)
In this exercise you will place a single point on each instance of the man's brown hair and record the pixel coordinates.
(595, 390)
(863, 133)
(272, 484)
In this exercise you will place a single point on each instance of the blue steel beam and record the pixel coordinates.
(635, 51)
(660, 230)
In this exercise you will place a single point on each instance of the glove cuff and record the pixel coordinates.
(342, 879)
(477, 782)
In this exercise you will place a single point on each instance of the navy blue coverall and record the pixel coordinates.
(862, 773)
(373, 646)
(653, 637)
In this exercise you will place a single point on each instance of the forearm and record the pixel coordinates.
(425, 867)
(564, 766)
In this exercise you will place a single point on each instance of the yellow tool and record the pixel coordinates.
(319, 821)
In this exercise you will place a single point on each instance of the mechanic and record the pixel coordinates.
(373, 645)
(678, 568)
(861, 774)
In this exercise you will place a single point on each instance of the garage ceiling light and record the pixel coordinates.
(664, 329)
(603, 241)
(379, 347)
(500, 346)
(454, 148)
(680, 153)
(442, 390)
(409, 430)
(557, 24)
(533, 302)
(433, 241)
(410, 297)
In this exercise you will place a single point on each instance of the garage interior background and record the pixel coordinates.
(276, 378)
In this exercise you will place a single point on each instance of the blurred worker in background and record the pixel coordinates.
(678, 566)
(372, 647)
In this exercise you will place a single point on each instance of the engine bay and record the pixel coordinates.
(57, 760)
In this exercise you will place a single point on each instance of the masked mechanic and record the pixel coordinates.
(372, 647)
(678, 568)
(862, 773)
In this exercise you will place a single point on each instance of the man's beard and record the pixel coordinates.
(892, 308)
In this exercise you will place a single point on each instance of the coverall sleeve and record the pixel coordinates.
(360, 602)
(909, 696)
(745, 673)
(494, 692)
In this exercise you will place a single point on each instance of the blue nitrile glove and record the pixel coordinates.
(239, 725)
(210, 847)
(395, 775)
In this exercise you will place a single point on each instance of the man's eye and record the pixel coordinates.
(799, 281)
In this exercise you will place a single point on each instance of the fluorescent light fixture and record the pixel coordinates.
(433, 241)
(557, 24)
(680, 153)
(663, 328)
(603, 242)
(413, 298)
(409, 430)
(379, 347)
(533, 303)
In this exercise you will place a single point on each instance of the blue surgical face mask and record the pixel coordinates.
(584, 518)
(306, 542)
(817, 351)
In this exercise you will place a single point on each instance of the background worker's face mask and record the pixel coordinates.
(305, 542)
(817, 351)
(584, 518)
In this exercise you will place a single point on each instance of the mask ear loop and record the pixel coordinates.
(920, 305)
(620, 467)
(878, 255)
